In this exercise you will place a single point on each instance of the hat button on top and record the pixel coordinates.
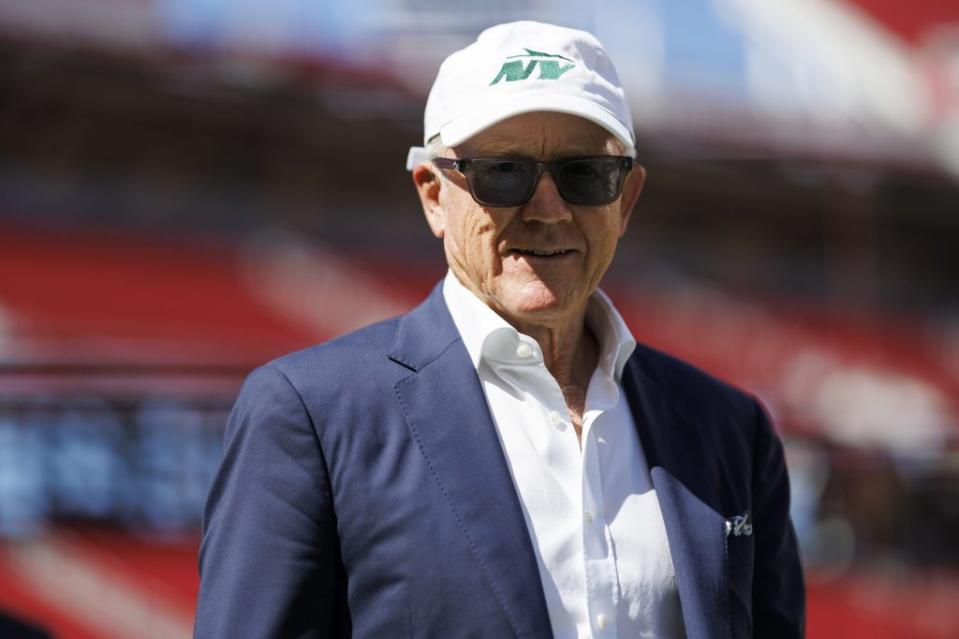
(524, 351)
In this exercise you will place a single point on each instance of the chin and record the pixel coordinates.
(536, 301)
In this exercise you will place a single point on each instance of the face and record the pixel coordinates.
(493, 251)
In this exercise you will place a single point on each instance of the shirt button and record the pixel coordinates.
(524, 351)
(589, 520)
(601, 621)
(557, 420)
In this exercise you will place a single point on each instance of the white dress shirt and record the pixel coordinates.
(590, 508)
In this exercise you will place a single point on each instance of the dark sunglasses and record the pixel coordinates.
(511, 180)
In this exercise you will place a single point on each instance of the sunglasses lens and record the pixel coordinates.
(590, 181)
(502, 182)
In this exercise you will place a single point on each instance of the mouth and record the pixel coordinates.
(539, 253)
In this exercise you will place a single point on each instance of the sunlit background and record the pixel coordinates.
(189, 188)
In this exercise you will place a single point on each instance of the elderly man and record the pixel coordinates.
(504, 460)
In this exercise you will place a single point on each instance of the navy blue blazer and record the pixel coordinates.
(363, 492)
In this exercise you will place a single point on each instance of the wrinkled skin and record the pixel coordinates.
(544, 297)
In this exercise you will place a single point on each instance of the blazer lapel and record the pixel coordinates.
(695, 530)
(448, 416)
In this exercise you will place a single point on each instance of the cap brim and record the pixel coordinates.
(493, 112)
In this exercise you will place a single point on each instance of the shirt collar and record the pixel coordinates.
(488, 337)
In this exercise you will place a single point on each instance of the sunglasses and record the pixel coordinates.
(511, 180)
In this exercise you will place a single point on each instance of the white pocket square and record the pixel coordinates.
(739, 525)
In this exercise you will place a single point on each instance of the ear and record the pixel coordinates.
(428, 186)
(631, 190)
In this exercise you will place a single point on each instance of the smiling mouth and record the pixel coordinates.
(535, 253)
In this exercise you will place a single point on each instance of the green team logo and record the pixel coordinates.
(550, 67)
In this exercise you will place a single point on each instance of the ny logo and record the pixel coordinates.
(549, 69)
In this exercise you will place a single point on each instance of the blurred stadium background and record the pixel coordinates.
(189, 188)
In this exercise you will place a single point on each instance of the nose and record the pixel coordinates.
(546, 204)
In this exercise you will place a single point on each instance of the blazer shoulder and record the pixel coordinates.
(355, 353)
(689, 385)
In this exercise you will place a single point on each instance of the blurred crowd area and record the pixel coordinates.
(191, 188)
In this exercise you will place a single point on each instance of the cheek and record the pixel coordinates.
(603, 236)
(472, 234)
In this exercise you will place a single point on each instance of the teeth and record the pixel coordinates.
(543, 253)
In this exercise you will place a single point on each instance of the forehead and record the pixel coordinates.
(542, 135)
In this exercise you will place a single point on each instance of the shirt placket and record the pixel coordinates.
(600, 568)
(569, 463)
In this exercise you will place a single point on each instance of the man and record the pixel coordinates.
(504, 460)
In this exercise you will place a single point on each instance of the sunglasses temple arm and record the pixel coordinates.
(416, 156)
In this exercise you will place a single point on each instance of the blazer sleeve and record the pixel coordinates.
(269, 559)
(779, 603)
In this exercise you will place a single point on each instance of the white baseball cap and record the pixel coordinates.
(521, 67)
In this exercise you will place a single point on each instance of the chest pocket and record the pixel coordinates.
(739, 570)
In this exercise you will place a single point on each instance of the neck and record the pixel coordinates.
(570, 353)
(569, 348)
